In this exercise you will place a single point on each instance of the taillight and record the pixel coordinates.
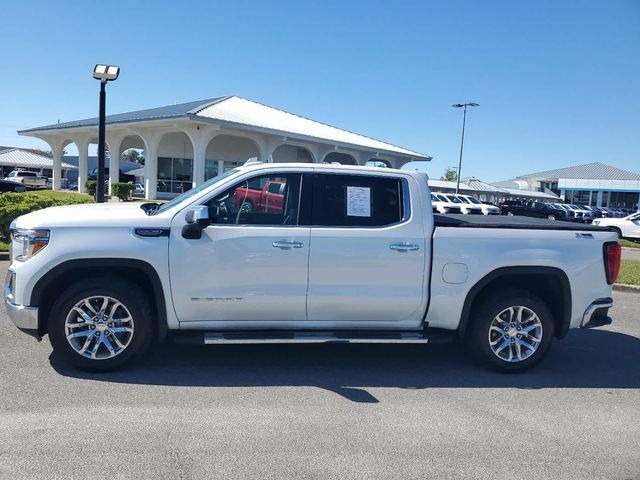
(612, 255)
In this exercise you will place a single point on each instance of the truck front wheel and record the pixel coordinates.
(101, 323)
(512, 330)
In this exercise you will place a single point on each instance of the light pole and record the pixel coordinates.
(104, 73)
(464, 119)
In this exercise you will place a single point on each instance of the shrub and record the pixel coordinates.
(90, 186)
(12, 205)
(122, 190)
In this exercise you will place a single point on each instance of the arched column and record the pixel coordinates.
(151, 139)
(57, 144)
(114, 142)
(200, 136)
(82, 143)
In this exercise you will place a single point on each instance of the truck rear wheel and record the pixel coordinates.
(512, 330)
(101, 323)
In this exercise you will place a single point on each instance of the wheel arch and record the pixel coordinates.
(549, 283)
(47, 288)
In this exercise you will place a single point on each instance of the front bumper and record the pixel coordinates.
(24, 317)
(597, 314)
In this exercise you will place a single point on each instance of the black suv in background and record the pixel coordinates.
(533, 209)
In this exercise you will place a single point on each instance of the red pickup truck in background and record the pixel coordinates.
(269, 199)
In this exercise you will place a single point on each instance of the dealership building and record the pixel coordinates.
(188, 143)
(595, 184)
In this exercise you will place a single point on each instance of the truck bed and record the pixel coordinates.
(508, 222)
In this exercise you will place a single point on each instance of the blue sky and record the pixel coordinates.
(558, 82)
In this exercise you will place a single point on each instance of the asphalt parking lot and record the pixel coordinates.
(326, 411)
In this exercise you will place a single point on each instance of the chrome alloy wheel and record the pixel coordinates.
(99, 327)
(515, 334)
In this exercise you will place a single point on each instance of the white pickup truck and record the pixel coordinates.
(325, 253)
(28, 179)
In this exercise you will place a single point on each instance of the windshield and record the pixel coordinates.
(464, 199)
(474, 200)
(194, 191)
(453, 199)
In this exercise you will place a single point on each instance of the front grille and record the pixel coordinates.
(473, 211)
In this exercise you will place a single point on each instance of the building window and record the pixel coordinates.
(175, 175)
(210, 169)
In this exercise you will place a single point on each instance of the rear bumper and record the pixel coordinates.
(597, 314)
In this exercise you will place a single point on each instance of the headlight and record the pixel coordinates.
(25, 243)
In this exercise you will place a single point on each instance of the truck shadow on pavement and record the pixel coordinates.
(584, 359)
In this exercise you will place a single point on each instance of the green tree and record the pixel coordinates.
(450, 174)
(132, 155)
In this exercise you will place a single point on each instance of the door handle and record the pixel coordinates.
(402, 247)
(287, 245)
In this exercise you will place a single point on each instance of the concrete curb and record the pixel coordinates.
(621, 287)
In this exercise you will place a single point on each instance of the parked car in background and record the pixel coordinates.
(486, 209)
(573, 215)
(539, 210)
(123, 177)
(510, 207)
(28, 179)
(595, 211)
(585, 214)
(354, 255)
(138, 188)
(10, 186)
(444, 205)
(465, 208)
(627, 227)
(267, 196)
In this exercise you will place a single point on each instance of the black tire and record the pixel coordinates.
(124, 291)
(478, 335)
(246, 207)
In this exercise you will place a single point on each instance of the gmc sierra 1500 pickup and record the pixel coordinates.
(352, 254)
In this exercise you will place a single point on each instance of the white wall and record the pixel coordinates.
(175, 145)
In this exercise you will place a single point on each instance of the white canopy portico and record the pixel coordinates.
(187, 143)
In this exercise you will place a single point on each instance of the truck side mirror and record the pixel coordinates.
(197, 219)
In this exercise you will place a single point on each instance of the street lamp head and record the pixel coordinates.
(106, 73)
(470, 104)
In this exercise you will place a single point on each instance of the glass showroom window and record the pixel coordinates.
(175, 175)
(210, 169)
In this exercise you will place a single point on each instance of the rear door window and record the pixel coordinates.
(356, 200)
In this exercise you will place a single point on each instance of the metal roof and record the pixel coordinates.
(241, 111)
(447, 184)
(475, 185)
(156, 113)
(595, 171)
(237, 111)
(17, 157)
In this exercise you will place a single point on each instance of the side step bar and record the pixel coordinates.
(310, 336)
